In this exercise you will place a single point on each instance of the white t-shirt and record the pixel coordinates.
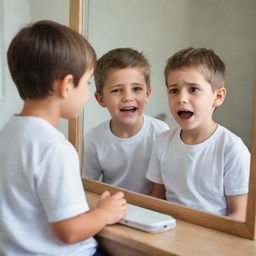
(121, 162)
(40, 183)
(200, 176)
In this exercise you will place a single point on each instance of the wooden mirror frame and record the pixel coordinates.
(225, 224)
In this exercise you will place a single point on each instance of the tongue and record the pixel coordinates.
(185, 114)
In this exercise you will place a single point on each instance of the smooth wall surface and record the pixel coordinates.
(160, 28)
(16, 14)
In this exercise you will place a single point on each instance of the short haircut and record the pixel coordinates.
(120, 58)
(45, 52)
(208, 63)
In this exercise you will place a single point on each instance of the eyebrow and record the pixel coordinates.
(186, 84)
(118, 85)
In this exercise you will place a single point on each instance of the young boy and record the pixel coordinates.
(119, 150)
(199, 164)
(42, 204)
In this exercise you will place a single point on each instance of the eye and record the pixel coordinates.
(194, 89)
(136, 89)
(173, 91)
(116, 90)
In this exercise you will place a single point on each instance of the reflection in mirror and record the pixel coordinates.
(246, 229)
(167, 26)
(119, 150)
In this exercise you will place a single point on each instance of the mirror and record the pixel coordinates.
(164, 28)
(245, 229)
(150, 31)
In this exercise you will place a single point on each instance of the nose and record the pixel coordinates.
(183, 97)
(127, 95)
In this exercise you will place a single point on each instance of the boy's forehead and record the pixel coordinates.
(128, 74)
(185, 75)
(125, 70)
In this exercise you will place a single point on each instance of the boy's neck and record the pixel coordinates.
(122, 130)
(198, 135)
(41, 109)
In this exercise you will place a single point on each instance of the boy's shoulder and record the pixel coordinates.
(165, 137)
(225, 132)
(97, 131)
(155, 123)
(229, 138)
(34, 137)
(32, 129)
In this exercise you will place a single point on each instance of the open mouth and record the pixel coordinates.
(128, 109)
(185, 114)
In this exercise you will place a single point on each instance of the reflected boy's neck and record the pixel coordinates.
(198, 135)
(126, 130)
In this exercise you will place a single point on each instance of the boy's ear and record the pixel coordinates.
(148, 93)
(100, 98)
(64, 86)
(220, 95)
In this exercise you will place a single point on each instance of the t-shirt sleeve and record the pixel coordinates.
(59, 184)
(154, 169)
(237, 170)
(91, 165)
(160, 126)
(164, 126)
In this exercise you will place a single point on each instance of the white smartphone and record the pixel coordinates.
(147, 220)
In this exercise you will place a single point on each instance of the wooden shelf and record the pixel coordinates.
(185, 239)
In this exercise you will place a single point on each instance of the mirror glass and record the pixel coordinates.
(159, 29)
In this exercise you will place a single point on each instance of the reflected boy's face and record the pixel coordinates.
(191, 98)
(125, 94)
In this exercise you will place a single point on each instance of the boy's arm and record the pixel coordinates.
(109, 210)
(237, 206)
(236, 178)
(159, 191)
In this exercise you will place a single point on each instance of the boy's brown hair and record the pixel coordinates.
(120, 58)
(208, 63)
(45, 52)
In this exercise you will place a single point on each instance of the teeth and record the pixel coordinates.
(128, 109)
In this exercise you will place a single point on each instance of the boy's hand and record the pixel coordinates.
(114, 207)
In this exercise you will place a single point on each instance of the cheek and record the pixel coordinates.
(143, 99)
(171, 105)
(205, 103)
(111, 105)
(170, 101)
(115, 101)
(85, 94)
